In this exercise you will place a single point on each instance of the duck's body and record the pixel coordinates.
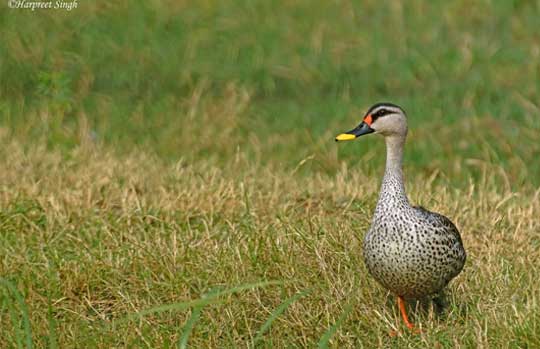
(415, 255)
(409, 250)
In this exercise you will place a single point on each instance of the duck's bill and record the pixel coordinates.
(360, 130)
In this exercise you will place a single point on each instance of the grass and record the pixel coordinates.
(292, 74)
(135, 235)
(170, 177)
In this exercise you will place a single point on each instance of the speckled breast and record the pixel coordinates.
(409, 260)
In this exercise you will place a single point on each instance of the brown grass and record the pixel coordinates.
(96, 237)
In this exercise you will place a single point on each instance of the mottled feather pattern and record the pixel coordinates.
(413, 253)
(409, 250)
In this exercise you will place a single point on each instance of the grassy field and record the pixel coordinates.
(169, 176)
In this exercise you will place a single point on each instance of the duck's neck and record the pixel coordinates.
(392, 196)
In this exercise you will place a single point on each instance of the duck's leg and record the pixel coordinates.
(410, 326)
(401, 304)
(440, 302)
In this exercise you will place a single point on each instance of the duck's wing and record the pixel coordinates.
(444, 226)
(437, 220)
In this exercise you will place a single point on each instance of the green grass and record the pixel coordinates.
(161, 160)
(289, 75)
(127, 250)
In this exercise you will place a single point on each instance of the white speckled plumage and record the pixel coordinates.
(409, 250)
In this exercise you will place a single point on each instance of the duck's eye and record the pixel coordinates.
(381, 112)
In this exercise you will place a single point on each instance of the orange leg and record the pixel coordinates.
(401, 304)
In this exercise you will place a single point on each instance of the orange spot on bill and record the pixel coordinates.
(368, 120)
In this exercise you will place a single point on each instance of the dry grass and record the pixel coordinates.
(92, 237)
(162, 161)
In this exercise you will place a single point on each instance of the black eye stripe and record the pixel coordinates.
(382, 112)
(382, 109)
(382, 106)
(379, 113)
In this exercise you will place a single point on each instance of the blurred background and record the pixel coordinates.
(154, 153)
(275, 81)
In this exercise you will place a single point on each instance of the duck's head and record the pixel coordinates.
(384, 118)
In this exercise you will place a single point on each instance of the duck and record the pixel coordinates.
(409, 250)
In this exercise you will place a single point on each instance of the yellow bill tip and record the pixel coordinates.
(345, 137)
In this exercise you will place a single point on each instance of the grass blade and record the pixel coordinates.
(171, 307)
(190, 324)
(188, 327)
(13, 317)
(24, 310)
(325, 339)
(276, 313)
(213, 298)
(53, 342)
